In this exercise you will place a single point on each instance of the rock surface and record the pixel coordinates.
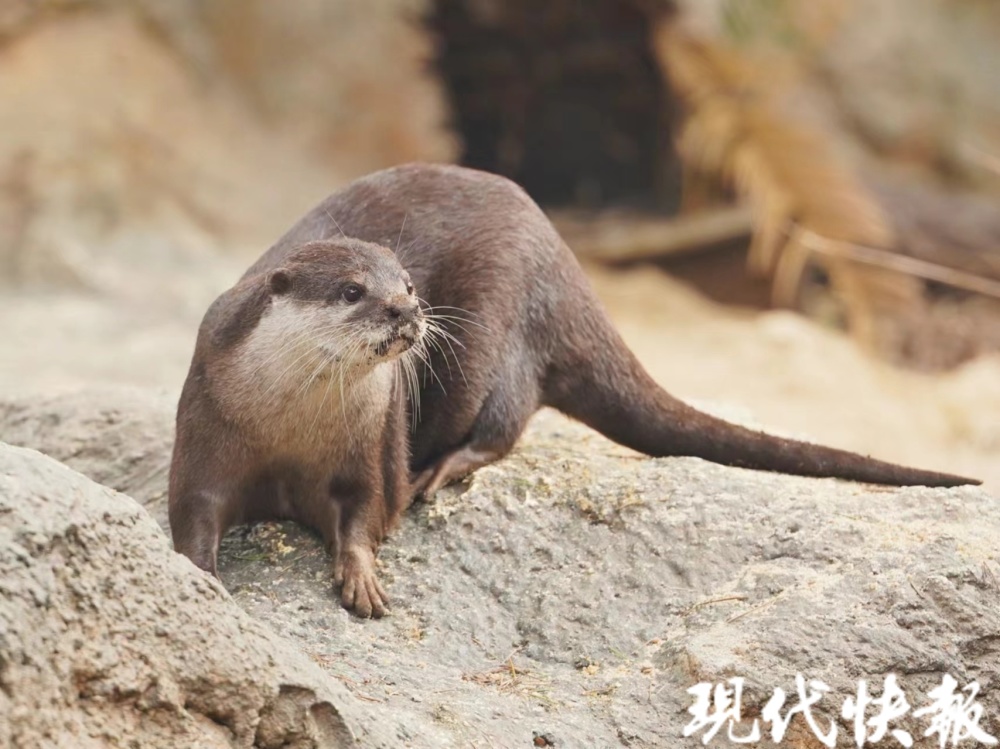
(120, 438)
(576, 590)
(108, 638)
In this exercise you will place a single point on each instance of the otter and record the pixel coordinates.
(518, 327)
(294, 408)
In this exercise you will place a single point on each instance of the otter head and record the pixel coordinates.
(350, 301)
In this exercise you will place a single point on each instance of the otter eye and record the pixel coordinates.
(352, 293)
(409, 288)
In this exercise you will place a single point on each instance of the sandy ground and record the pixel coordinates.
(775, 369)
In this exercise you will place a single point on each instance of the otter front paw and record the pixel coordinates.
(360, 591)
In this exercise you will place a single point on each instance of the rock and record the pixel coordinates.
(108, 638)
(120, 438)
(577, 591)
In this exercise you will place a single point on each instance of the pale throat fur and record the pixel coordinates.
(305, 373)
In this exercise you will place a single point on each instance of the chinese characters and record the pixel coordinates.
(953, 715)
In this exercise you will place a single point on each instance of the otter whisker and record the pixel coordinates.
(322, 403)
(401, 226)
(404, 376)
(437, 330)
(282, 349)
(396, 377)
(444, 354)
(307, 382)
(432, 332)
(358, 342)
(343, 405)
(330, 216)
(448, 306)
(413, 390)
(310, 351)
(433, 310)
(457, 322)
(428, 369)
(440, 330)
(322, 363)
(431, 340)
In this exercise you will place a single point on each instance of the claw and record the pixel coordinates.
(361, 591)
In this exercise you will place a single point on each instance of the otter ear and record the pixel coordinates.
(279, 281)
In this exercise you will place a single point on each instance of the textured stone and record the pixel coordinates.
(109, 638)
(576, 590)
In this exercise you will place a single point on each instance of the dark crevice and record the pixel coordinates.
(564, 98)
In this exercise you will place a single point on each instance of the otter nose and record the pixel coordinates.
(402, 310)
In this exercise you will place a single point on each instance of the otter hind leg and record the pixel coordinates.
(454, 466)
(497, 427)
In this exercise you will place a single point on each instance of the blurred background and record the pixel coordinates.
(790, 207)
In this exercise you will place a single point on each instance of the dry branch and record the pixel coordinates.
(618, 236)
(901, 263)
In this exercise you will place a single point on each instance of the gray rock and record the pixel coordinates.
(108, 638)
(118, 437)
(575, 591)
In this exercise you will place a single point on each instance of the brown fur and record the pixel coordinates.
(263, 435)
(525, 330)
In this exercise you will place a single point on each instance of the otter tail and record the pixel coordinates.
(595, 379)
